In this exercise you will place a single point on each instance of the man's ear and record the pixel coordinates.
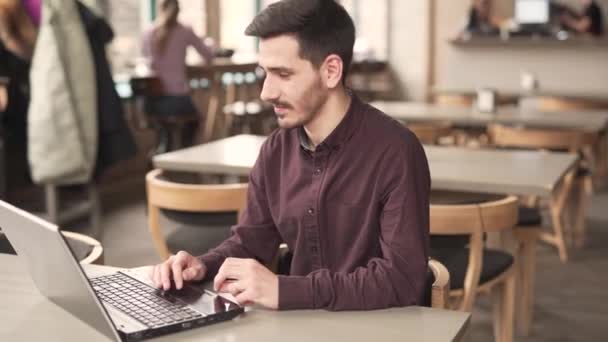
(333, 68)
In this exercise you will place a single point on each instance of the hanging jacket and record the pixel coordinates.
(115, 140)
(62, 117)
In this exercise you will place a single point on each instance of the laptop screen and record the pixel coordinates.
(532, 11)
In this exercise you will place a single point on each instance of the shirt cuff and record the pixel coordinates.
(212, 261)
(295, 292)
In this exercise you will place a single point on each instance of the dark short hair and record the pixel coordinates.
(321, 27)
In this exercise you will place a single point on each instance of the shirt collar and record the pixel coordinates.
(342, 132)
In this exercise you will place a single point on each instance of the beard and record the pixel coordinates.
(303, 111)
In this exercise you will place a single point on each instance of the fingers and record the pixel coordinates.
(165, 273)
(176, 270)
(244, 298)
(227, 271)
(195, 271)
(232, 287)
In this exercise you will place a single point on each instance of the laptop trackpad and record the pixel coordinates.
(203, 301)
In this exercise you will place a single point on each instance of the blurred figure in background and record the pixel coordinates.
(19, 21)
(590, 21)
(18, 26)
(165, 44)
(480, 20)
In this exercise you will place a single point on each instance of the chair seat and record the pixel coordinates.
(529, 217)
(199, 232)
(456, 260)
(80, 249)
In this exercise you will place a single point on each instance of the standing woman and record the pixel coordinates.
(165, 44)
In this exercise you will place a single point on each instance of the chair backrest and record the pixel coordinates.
(455, 100)
(536, 138)
(201, 198)
(473, 220)
(429, 133)
(440, 288)
(95, 256)
(550, 104)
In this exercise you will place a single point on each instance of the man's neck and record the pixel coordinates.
(328, 118)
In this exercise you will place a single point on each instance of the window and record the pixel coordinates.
(371, 23)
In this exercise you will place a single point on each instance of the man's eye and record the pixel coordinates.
(284, 75)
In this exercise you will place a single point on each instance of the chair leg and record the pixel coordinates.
(558, 228)
(497, 309)
(526, 277)
(96, 214)
(52, 202)
(503, 307)
(585, 189)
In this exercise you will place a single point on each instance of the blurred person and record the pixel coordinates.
(480, 19)
(19, 21)
(345, 186)
(165, 45)
(590, 21)
(18, 26)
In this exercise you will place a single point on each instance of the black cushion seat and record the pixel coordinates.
(198, 232)
(529, 217)
(456, 260)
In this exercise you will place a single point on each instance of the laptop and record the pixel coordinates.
(124, 305)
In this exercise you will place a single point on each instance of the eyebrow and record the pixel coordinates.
(278, 69)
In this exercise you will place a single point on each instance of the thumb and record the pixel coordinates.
(193, 273)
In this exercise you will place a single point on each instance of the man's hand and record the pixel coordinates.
(249, 282)
(180, 267)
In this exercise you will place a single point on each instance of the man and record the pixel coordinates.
(345, 186)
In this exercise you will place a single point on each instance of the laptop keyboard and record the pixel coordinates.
(140, 301)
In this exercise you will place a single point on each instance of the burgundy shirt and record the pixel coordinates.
(354, 213)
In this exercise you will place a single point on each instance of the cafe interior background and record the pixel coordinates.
(417, 61)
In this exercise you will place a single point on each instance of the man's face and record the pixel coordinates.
(293, 85)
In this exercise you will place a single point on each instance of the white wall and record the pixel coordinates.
(408, 48)
(563, 68)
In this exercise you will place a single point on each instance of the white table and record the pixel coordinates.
(26, 315)
(590, 121)
(458, 169)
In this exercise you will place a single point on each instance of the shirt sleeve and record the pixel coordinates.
(203, 49)
(256, 235)
(397, 278)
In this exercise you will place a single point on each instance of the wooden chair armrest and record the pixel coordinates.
(441, 286)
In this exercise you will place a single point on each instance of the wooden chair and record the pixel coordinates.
(430, 133)
(455, 100)
(86, 249)
(193, 198)
(555, 139)
(550, 103)
(440, 289)
(476, 269)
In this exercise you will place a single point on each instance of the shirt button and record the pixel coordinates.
(311, 211)
(313, 249)
(318, 171)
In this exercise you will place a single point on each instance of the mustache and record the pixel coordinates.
(281, 104)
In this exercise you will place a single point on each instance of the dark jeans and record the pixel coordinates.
(170, 105)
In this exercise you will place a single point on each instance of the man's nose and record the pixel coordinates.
(269, 91)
